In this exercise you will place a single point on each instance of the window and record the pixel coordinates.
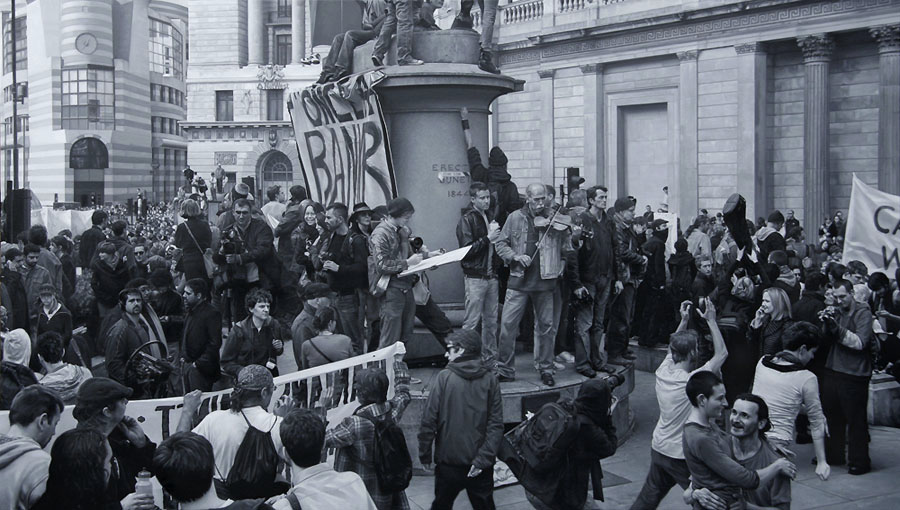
(8, 128)
(166, 49)
(277, 168)
(275, 104)
(88, 98)
(224, 105)
(283, 49)
(284, 8)
(9, 93)
(88, 153)
(21, 47)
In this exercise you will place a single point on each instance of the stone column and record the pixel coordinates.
(256, 35)
(684, 194)
(888, 38)
(752, 177)
(817, 50)
(298, 30)
(547, 159)
(593, 123)
(271, 31)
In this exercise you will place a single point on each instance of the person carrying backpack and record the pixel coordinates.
(463, 417)
(558, 450)
(245, 438)
(370, 443)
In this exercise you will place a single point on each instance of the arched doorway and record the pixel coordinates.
(88, 158)
(275, 169)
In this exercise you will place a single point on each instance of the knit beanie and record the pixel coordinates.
(623, 204)
(399, 207)
(497, 157)
(776, 218)
(468, 339)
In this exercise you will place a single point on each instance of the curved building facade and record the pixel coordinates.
(105, 83)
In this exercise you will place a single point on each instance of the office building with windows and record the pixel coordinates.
(246, 58)
(104, 96)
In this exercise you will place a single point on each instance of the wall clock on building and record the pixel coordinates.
(86, 43)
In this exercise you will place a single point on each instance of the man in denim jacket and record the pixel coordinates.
(536, 258)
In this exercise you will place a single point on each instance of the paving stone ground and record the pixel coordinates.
(877, 490)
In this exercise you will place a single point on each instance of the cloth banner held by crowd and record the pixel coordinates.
(342, 141)
(76, 221)
(873, 228)
(159, 417)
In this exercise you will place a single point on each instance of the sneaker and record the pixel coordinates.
(324, 78)
(415, 380)
(558, 366)
(486, 63)
(566, 357)
(547, 379)
(859, 470)
(409, 61)
(621, 360)
(377, 61)
(587, 372)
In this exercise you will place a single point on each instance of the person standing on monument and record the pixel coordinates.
(401, 15)
(630, 266)
(488, 17)
(536, 252)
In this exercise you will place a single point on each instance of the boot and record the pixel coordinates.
(486, 63)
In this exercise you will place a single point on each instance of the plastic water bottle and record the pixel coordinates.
(143, 485)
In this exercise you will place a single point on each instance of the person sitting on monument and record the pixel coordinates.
(401, 16)
(339, 61)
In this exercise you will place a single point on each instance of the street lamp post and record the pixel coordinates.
(15, 94)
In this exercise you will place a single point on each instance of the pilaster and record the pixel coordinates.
(817, 50)
(547, 156)
(593, 123)
(256, 38)
(888, 38)
(685, 187)
(298, 30)
(271, 38)
(752, 177)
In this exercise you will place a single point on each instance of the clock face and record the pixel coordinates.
(86, 43)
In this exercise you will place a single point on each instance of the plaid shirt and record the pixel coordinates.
(354, 439)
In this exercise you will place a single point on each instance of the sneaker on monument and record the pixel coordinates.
(486, 63)
(409, 61)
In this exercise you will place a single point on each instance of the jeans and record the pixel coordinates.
(481, 307)
(844, 402)
(544, 333)
(449, 481)
(621, 313)
(398, 314)
(340, 58)
(664, 473)
(589, 327)
(488, 17)
(399, 18)
(435, 320)
(348, 315)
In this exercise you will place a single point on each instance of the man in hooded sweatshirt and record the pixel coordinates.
(14, 371)
(787, 280)
(62, 377)
(24, 464)
(463, 417)
(504, 193)
(769, 238)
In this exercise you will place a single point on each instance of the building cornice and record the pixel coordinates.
(247, 124)
(682, 27)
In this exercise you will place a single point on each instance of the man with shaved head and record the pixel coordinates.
(535, 255)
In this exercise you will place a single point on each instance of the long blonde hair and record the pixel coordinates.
(781, 304)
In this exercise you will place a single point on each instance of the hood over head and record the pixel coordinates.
(468, 367)
(17, 347)
(11, 448)
(594, 399)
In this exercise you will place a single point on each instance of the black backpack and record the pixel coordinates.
(544, 439)
(391, 459)
(255, 465)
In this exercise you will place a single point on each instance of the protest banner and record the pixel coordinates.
(334, 382)
(342, 142)
(873, 229)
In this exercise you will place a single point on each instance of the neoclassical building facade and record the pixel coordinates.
(780, 100)
(102, 96)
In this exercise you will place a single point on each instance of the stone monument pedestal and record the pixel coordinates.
(421, 106)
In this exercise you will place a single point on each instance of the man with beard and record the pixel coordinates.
(653, 322)
(35, 277)
(127, 335)
(202, 338)
(749, 423)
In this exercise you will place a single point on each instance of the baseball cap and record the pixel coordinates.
(655, 224)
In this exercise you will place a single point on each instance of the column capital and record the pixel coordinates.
(688, 56)
(751, 47)
(816, 47)
(591, 68)
(888, 37)
(546, 73)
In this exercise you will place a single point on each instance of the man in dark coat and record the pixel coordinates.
(126, 336)
(290, 220)
(202, 338)
(17, 306)
(652, 326)
(108, 278)
(91, 238)
(768, 238)
(504, 193)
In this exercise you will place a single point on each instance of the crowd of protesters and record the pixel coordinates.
(772, 327)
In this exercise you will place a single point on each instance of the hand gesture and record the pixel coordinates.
(685, 310)
(192, 402)
(493, 235)
(823, 470)
(135, 501)
(330, 265)
(284, 406)
(710, 310)
(464, 113)
(133, 431)
(277, 344)
(708, 500)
